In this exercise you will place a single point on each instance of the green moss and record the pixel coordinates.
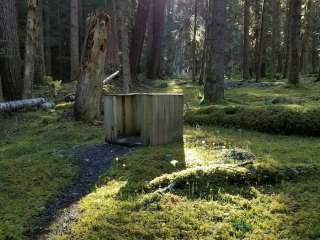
(271, 119)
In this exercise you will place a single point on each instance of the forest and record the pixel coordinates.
(159, 119)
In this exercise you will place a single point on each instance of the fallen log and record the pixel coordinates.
(111, 77)
(25, 104)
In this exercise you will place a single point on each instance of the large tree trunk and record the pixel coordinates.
(40, 67)
(89, 88)
(74, 40)
(47, 42)
(30, 47)
(246, 40)
(261, 43)
(275, 42)
(138, 36)
(214, 84)
(123, 20)
(10, 61)
(194, 42)
(154, 58)
(294, 63)
(112, 58)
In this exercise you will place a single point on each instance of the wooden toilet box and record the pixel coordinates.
(149, 118)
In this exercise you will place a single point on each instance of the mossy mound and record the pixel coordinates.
(270, 119)
(226, 174)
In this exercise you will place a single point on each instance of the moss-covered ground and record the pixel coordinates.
(206, 203)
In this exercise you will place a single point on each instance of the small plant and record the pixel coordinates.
(54, 86)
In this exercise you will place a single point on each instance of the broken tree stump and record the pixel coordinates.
(89, 88)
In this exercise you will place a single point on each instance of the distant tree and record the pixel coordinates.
(89, 88)
(40, 65)
(10, 61)
(154, 59)
(194, 42)
(261, 43)
(1, 92)
(30, 47)
(138, 36)
(246, 40)
(74, 40)
(214, 84)
(47, 37)
(294, 63)
(276, 61)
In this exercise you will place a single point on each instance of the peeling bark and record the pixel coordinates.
(89, 88)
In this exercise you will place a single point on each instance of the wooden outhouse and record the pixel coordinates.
(148, 118)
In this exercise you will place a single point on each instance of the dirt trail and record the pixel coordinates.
(93, 161)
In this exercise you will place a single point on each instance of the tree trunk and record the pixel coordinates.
(112, 58)
(287, 39)
(154, 58)
(10, 61)
(1, 93)
(40, 67)
(194, 43)
(47, 42)
(30, 48)
(138, 36)
(246, 40)
(74, 40)
(275, 42)
(261, 43)
(306, 35)
(294, 65)
(214, 84)
(123, 19)
(89, 88)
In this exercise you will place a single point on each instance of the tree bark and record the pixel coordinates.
(124, 44)
(294, 63)
(74, 40)
(246, 40)
(1, 93)
(138, 36)
(154, 58)
(214, 84)
(89, 88)
(47, 42)
(194, 43)
(261, 43)
(30, 48)
(275, 42)
(40, 67)
(10, 60)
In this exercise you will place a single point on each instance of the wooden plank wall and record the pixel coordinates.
(157, 118)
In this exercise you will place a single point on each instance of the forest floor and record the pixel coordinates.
(218, 192)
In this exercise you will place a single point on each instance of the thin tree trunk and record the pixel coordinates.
(194, 43)
(74, 40)
(138, 36)
(275, 37)
(306, 35)
(124, 44)
(261, 44)
(47, 41)
(154, 58)
(89, 88)
(30, 48)
(10, 61)
(246, 40)
(294, 65)
(1, 93)
(214, 84)
(287, 39)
